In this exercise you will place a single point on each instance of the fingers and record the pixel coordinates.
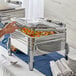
(10, 28)
(7, 25)
(13, 23)
(10, 25)
(16, 27)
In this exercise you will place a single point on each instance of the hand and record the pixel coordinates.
(10, 28)
(13, 49)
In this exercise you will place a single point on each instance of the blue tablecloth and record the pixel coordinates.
(41, 62)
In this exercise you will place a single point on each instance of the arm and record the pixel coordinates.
(2, 33)
(10, 28)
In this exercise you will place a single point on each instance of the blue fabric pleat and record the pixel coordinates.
(5, 40)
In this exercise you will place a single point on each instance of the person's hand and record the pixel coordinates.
(10, 28)
(13, 49)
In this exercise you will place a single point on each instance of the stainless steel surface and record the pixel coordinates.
(9, 47)
(43, 44)
(31, 52)
(5, 6)
(37, 23)
(7, 14)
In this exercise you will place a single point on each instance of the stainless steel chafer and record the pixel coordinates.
(39, 45)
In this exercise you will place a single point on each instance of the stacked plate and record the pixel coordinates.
(72, 61)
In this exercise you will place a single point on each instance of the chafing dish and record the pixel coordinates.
(42, 44)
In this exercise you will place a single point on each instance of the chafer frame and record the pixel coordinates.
(33, 41)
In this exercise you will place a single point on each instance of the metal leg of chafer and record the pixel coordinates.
(9, 47)
(31, 54)
(66, 50)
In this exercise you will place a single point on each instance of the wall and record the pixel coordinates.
(33, 8)
(2, 0)
(65, 11)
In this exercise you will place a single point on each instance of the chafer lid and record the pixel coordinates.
(34, 23)
(40, 23)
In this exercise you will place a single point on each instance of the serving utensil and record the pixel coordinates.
(12, 61)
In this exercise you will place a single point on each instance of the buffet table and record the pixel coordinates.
(21, 68)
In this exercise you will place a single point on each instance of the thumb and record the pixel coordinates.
(16, 27)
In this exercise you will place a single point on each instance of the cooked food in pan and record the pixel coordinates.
(37, 33)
